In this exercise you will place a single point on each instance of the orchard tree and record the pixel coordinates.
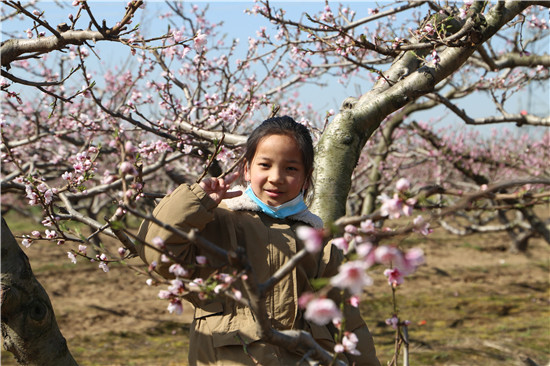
(90, 139)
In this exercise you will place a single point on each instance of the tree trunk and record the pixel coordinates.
(29, 327)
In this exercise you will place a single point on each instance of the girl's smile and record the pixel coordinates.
(276, 173)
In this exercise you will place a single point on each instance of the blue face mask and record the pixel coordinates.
(289, 208)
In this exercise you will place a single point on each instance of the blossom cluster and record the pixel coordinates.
(84, 167)
(214, 285)
(352, 277)
(399, 204)
(359, 241)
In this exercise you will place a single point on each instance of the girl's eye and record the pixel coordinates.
(263, 165)
(292, 168)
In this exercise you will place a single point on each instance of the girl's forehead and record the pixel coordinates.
(274, 146)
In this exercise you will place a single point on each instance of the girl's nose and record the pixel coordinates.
(275, 176)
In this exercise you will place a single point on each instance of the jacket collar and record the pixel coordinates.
(245, 203)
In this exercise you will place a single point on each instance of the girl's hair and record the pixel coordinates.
(284, 125)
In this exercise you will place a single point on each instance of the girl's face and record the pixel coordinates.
(276, 172)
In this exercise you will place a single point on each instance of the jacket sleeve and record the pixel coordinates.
(187, 207)
(332, 258)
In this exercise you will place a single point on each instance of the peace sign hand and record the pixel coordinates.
(218, 188)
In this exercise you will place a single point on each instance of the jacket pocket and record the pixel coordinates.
(231, 329)
(320, 332)
(214, 308)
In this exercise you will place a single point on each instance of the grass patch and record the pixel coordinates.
(166, 344)
(491, 329)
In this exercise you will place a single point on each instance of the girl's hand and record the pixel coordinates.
(217, 188)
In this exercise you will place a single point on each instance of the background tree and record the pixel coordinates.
(92, 145)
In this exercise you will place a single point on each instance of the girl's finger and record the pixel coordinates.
(233, 194)
(230, 178)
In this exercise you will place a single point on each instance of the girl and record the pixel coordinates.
(261, 219)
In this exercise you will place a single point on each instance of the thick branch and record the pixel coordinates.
(29, 327)
(13, 49)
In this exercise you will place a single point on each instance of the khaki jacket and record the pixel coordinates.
(225, 332)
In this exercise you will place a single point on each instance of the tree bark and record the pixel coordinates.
(29, 327)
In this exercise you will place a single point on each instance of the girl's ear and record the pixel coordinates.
(246, 171)
(307, 181)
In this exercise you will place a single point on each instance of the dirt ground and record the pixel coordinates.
(473, 302)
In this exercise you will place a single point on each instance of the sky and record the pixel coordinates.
(239, 25)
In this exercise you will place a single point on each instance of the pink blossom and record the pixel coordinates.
(391, 207)
(120, 211)
(429, 29)
(200, 41)
(121, 251)
(435, 57)
(352, 276)
(341, 244)
(26, 243)
(176, 287)
(394, 276)
(354, 301)
(202, 260)
(367, 226)
(31, 195)
(219, 288)
(158, 242)
(72, 257)
(421, 226)
(366, 252)
(82, 249)
(128, 168)
(50, 234)
(48, 195)
(104, 266)
(48, 221)
(164, 294)
(42, 187)
(175, 306)
(415, 257)
(178, 270)
(349, 342)
(196, 284)
(238, 294)
(386, 254)
(322, 311)
(312, 238)
(403, 184)
(305, 298)
(393, 321)
(351, 229)
(128, 146)
(348, 237)
(36, 233)
(149, 282)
